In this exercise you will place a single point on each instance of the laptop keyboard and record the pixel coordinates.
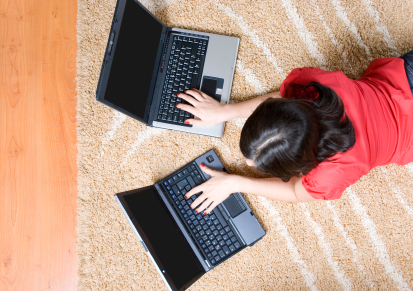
(214, 237)
(183, 72)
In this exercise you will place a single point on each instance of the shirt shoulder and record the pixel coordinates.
(303, 76)
(389, 72)
(330, 178)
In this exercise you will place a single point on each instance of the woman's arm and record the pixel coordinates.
(210, 112)
(221, 185)
(246, 108)
(274, 188)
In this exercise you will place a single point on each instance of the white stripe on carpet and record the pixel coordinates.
(308, 276)
(118, 119)
(399, 195)
(253, 36)
(378, 244)
(142, 136)
(381, 27)
(326, 248)
(350, 243)
(251, 79)
(304, 34)
(410, 167)
(342, 14)
(333, 39)
(153, 6)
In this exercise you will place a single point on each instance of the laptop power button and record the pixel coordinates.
(210, 159)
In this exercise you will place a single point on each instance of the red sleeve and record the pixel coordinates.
(324, 182)
(390, 71)
(303, 76)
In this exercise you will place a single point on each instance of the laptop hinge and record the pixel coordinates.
(157, 92)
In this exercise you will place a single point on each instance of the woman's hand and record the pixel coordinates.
(214, 191)
(207, 109)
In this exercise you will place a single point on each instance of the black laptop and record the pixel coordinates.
(184, 245)
(147, 63)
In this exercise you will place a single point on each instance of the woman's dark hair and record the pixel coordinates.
(289, 136)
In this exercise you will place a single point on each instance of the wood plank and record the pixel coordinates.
(58, 152)
(38, 145)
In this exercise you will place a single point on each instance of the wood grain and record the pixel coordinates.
(38, 172)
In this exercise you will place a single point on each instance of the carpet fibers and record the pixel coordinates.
(361, 242)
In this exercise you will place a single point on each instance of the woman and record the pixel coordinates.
(323, 135)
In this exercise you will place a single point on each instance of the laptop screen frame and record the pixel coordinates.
(109, 55)
(142, 236)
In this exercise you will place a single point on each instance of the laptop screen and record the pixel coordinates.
(166, 240)
(134, 59)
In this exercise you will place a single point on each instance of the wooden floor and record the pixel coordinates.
(38, 172)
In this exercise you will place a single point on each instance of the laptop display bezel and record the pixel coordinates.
(139, 230)
(107, 62)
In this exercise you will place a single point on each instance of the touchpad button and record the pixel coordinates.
(213, 87)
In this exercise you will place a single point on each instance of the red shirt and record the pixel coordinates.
(380, 106)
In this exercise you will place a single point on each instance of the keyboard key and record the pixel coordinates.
(231, 248)
(181, 185)
(221, 253)
(226, 250)
(191, 182)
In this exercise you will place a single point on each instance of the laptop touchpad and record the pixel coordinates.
(233, 206)
(213, 87)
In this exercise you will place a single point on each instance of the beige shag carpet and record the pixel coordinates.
(364, 241)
